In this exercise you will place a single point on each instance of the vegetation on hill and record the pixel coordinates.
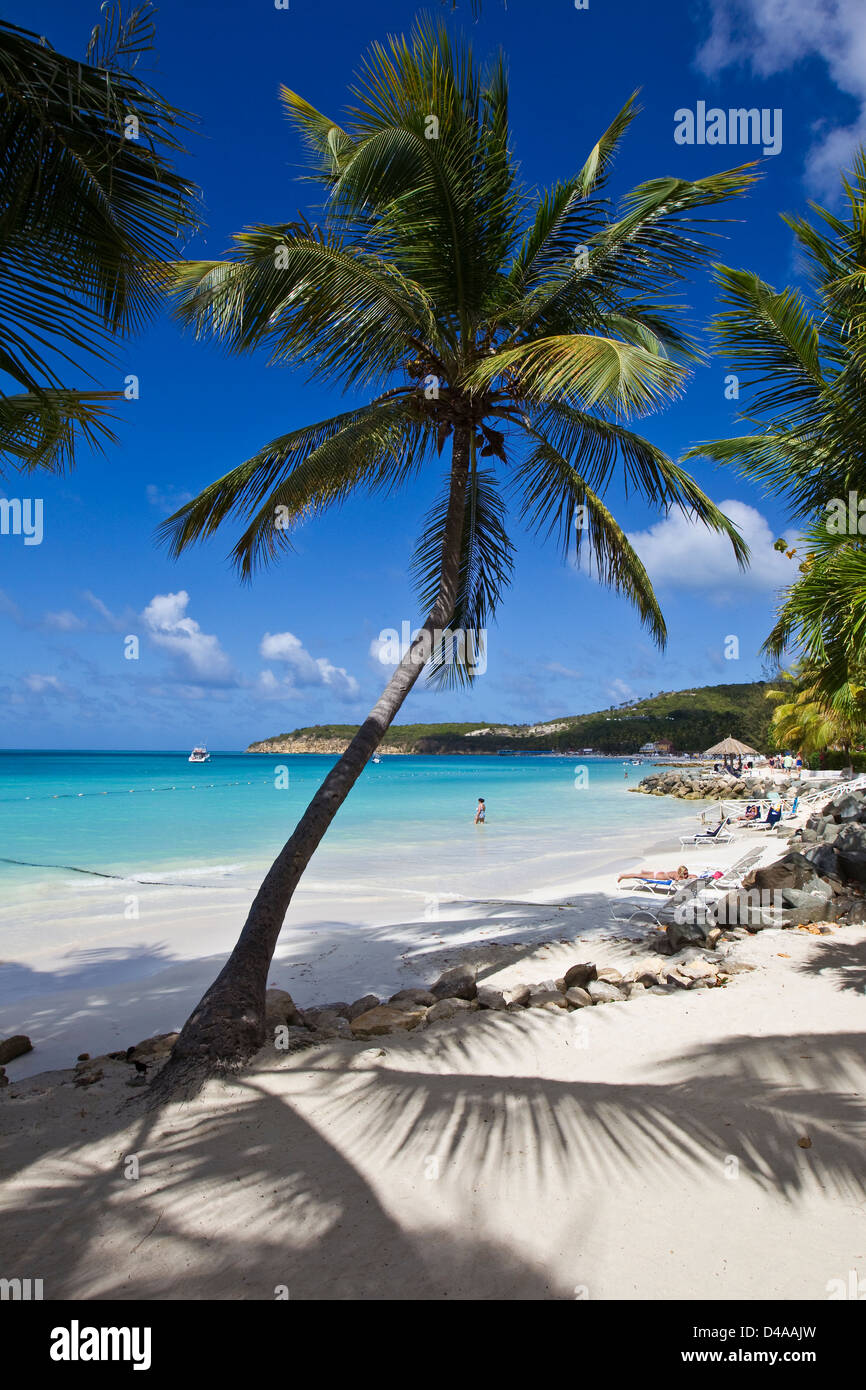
(691, 720)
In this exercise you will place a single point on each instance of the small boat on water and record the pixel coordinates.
(375, 758)
(199, 755)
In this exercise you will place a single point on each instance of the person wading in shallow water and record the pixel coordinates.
(480, 811)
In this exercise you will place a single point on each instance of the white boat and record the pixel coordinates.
(199, 755)
(375, 758)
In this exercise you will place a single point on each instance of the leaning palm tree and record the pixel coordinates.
(803, 359)
(522, 341)
(90, 207)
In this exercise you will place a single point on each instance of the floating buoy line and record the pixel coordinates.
(124, 791)
(121, 878)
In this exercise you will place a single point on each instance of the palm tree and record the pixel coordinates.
(805, 719)
(804, 360)
(525, 341)
(91, 206)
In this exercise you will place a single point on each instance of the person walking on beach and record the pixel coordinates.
(480, 811)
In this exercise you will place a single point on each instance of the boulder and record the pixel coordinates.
(546, 993)
(579, 976)
(10, 1048)
(280, 1008)
(457, 983)
(153, 1049)
(447, 1008)
(491, 997)
(850, 848)
(824, 858)
(697, 969)
(680, 934)
(603, 992)
(384, 1019)
(340, 1008)
(578, 998)
(635, 988)
(413, 996)
(328, 1022)
(607, 972)
(362, 1006)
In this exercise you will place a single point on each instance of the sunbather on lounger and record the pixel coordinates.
(660, 875)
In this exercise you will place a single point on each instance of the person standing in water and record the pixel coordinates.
(480, 811)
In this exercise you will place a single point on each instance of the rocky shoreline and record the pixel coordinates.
(699, 785)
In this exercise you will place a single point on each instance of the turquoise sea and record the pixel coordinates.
(155, 814)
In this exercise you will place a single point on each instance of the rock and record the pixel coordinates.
(697, 969)
(635, 988)
(579, 976)
(607, 972)
(340, 1008)
(328, 1022)
(137, 1081)
(153, 1049)
(735, 967)
(578, 998)
(10, 1048)
(850, 849)
(83, 1057)
(856, 913)
(489, 997)
(447, 1008)
(384, 1019)
(280, 1008)
(603, 992)
(847, 808)
(680, 934)
(413, 996)
(458, 983)
(362, 1006)
(87, 1078)
(546, 993)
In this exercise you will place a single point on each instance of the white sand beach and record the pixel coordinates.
(703, 1144)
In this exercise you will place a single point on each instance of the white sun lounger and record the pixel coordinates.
(720, 836)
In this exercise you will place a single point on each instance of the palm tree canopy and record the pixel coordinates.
(804, 359)
(438, 285)
(91, 208)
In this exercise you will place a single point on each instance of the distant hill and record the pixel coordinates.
(690, 720)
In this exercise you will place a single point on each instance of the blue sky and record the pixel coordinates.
(229, 663)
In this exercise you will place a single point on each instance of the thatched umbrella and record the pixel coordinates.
(731, 747)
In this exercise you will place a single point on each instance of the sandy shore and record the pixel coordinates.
(86, 979)
(650, 1149)
(701, 1144)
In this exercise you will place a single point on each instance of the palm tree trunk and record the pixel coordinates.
(227, 1026)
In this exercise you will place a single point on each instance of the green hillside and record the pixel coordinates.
(692, 720)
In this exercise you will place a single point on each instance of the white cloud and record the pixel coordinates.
(167, 499)
(681, 553)
(772, 36)
(64, 621)
(304, 670)
(39, 684)
(169, 627)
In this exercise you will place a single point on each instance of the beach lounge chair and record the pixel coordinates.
(721, 835)
(772, 819)
(733, 876)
